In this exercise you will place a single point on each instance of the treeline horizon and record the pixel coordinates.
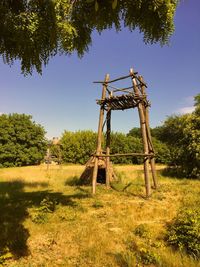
(176, 143)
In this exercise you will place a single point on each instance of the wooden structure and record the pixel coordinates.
(86, 176)
(112, 99)
(49, 158)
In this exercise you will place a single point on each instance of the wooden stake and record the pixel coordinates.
(99, 137)
(108, 148)
(144, 135)
(152, 160)
(59, 156)
(48, 158)
(150, 143)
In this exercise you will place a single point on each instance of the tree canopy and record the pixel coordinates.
(33, 31)
(77, 147)
(22, 141)
(182, 136)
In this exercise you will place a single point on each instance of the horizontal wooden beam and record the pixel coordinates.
(123, 89)
(125, 155)
(115, 80)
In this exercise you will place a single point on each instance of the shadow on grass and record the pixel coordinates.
(76, 182)
(172, 172)
(130, 189)
(73, 181)
(120, 187)
(14, 204)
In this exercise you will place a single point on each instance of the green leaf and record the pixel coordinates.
(89, 1)
(96, 6)
(114, 4)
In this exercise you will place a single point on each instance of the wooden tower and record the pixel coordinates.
(112, 99)
(55, 142)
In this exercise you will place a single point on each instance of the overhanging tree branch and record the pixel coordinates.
(34, 31)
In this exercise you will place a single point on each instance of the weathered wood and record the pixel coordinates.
(99, 137)
(123, 89)
(150, 143)
(124, 155)
(152, 160)
(130, 99)
(115, 80)
(86, 176)
(142, 82)
(108, 148)
(120, 102)
(144, 135)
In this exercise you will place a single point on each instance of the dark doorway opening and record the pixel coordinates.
(101, 176)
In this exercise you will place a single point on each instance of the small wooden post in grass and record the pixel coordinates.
(48, 158)
(99, 137)
(144, 134)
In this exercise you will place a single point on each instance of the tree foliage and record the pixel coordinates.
(33, 31)
(122, 143)
(77, 147)
(22, 141)
(182, 136)
(161, 149)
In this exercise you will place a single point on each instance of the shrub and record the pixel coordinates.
(142, 230)
(126, 259)
(46, 206)
(184, 232)
(147, 256)
(97, 204)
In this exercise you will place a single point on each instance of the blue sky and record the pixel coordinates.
(64, 97)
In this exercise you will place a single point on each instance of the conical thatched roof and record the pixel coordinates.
(86, 177)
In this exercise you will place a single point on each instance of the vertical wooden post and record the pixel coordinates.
(150, 143)
(152, 160)
(144, 135)
(108, 122)
(99, 137)
(48, 157)
(59, 155)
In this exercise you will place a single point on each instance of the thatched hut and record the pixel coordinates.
(86, 177)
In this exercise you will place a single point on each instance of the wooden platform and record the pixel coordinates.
(122, 102)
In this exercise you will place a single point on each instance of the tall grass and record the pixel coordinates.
(48, 219)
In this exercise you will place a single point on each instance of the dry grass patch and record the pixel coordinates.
(49, 220)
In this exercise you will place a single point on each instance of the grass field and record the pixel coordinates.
(47, 219)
